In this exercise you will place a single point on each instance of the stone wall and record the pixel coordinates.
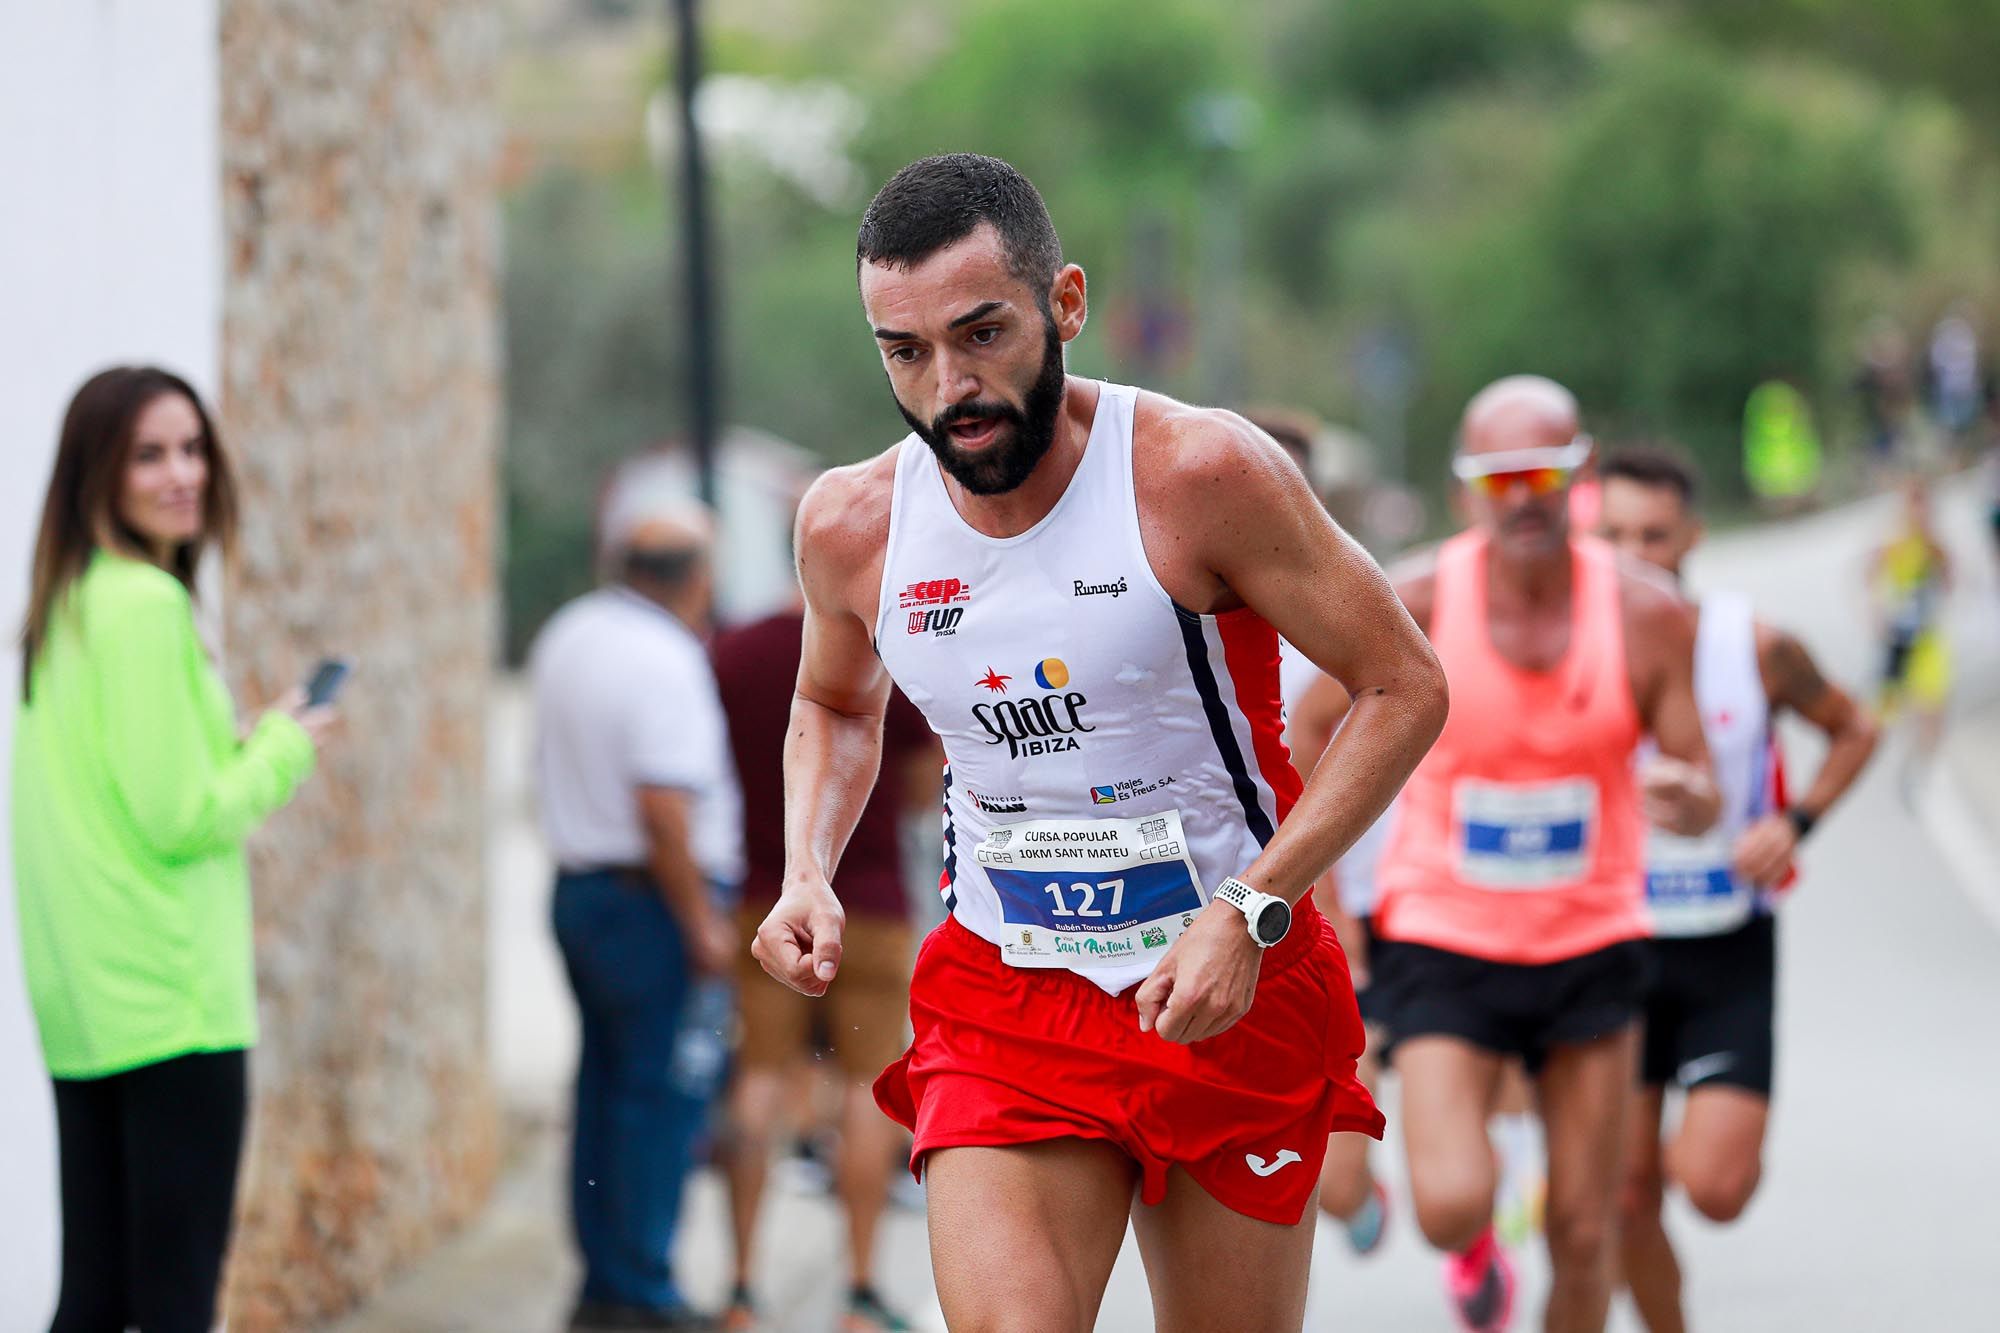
(360, 373)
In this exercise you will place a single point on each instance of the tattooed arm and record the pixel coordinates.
(1792, 680)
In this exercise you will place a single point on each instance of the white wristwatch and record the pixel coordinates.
(1267, 915)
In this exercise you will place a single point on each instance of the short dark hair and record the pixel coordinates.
(938, 201)
(1653, 465)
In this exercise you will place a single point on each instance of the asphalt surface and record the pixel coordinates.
(1881, 1200)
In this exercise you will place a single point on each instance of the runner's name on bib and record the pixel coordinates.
(1523, 836)
(1085, 893)
(1691, 886)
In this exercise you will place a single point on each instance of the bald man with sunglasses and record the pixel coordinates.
(1510, 922)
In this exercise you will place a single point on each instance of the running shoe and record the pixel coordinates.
(1368, 1225)
(867, 1314)
(1479, 1283)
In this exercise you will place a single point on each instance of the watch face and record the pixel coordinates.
(1273, 922)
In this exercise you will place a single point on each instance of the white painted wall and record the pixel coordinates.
(110, 251)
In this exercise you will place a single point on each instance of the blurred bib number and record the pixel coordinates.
(1691, 885)
(1523, 836)
(1084, 893)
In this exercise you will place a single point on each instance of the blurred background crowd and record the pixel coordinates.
(431, 264)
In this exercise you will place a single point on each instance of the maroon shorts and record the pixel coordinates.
(1006, 1055)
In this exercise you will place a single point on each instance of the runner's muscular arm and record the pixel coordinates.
(1229, 522)
(1793, 680)
(1254, 524)
(833, 748)
(1308, 730)
(1677, 787)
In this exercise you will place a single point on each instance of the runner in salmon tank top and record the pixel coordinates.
(1510, 919)
(1711, 1011)
(1134, 1013)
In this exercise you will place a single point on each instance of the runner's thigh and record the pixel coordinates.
(1211, 1268)
(1587, 1097)
(1448, 1091)
(1023, 1238)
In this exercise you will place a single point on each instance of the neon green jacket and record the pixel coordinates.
(132, 797)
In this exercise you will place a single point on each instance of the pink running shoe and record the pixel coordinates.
(1479, 1282)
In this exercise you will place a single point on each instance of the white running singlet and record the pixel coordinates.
(1691, 888)
(1110, 756)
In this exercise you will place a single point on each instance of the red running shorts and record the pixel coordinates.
(1007, 1055)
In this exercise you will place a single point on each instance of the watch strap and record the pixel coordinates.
(1250, 902)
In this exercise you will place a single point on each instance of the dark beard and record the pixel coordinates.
(1012, 457)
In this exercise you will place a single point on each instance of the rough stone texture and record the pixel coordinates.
(361, 396)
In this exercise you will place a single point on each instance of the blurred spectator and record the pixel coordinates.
(1910, 576)
(1952, 376)
(640, 805)
(1781, 452)
(1883, 386)
(132, 796)
(756, 667)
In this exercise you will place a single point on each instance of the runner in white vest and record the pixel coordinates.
(1081, 586)
(1709, 1018)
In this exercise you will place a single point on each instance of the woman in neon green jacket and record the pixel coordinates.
(132, 795)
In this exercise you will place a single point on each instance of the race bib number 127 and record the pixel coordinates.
(1082, 893)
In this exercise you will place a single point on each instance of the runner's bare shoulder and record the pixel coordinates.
(843, 532)
(1181, 453)
(1212, 489)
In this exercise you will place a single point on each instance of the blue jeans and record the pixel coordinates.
(641, 1103)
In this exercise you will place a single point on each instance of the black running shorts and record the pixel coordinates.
(1712, 1008)
(1364, 996)
(1508, 1008)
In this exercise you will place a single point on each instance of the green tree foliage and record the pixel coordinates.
(1392, 54)
(1662, 202)
(1950, 47)
(1679, 251)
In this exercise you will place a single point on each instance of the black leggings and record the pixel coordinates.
(148, 1185)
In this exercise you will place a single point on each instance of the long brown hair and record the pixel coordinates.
(80, 513)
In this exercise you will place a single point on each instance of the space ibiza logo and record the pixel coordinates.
(1033, 724)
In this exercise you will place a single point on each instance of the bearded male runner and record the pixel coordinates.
(1081, 586)
(1710, 1013)
(1509, 920)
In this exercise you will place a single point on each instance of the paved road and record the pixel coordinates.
(1882, 1197)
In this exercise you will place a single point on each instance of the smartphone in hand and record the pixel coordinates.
(327, 678)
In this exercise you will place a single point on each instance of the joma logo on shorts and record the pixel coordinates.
(1261, 1167)
(1035, 725)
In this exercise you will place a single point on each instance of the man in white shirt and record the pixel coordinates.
(640, 806)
